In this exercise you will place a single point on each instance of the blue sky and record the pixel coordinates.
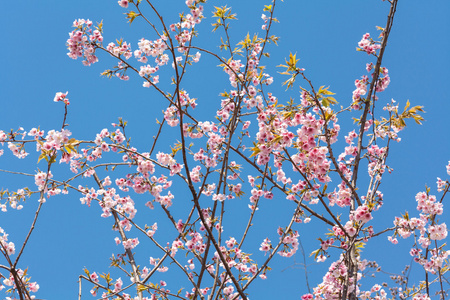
(324, 34)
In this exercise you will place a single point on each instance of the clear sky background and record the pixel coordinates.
(324, 34)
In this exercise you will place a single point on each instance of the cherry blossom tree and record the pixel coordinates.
(206, 179)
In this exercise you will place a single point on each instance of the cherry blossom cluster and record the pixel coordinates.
(361, 90)
(342, 197)
(82, 41)
(362, 214)
(290, 242)
(195, 17)
(233, 69)
(287, 136)
(6, 247)
(40, 179)
(182, 38)
(77, 160)
(171, 114)
(123, 48)
(256, 194)
(17, 149)
(154, 262)
(10, 282)
(190, 295)
(380, 293)
(154, 48)
(265, 19)
(332, 283)
(236, 259)
(14, 199)
(383, 82)
(442, 184)
(210, 222)
(129, 243)
(274, 135)
(195, 242)
(3, 137)
(36, 133)
(55, 140)
(368, 45)
(154, 185)
(123, 3)
(429, 208)
(376, 156)
(265, 245)
(62, 97)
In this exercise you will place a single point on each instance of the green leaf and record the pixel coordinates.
(292, 61)
(43, 155)
(87, 272)
(100, 26)
(255, 150)
(407, 105)
(316, 253)
(267, 8)
(131, 16)
(142, 288)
